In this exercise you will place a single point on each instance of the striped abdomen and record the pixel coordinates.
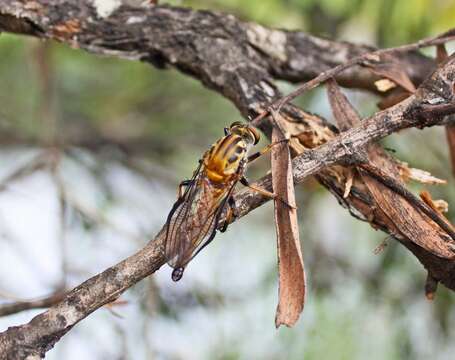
(224, 158)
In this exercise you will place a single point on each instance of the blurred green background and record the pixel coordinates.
(131, 133)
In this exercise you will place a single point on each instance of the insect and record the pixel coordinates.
(202, 200)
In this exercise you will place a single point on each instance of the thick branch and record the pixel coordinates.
(202, 43)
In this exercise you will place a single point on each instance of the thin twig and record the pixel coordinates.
(36, 163)
(371, 56)
(18, 306)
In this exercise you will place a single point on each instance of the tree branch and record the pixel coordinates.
(18, 306)
(199, 43)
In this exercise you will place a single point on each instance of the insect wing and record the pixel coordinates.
(193, 219)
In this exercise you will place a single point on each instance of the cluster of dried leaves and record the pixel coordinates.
(374, 173)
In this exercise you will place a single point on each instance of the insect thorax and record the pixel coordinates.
(226, 158)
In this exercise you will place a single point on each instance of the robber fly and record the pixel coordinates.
(202, 200)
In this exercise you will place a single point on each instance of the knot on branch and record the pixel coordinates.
(435, 98)
(353, 155)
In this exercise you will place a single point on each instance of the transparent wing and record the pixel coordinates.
(192, 221)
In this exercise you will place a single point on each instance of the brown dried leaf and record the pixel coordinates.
(450, 133)
(411, 222)
(290, 262)
(345, 114)
(441, 53)
(393, 97)
(348, 184)
(441, 56)
(392, 69)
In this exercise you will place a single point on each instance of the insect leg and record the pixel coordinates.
(244, 181)
(231, 214)
(265, 150)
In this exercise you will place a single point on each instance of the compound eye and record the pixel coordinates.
(235, 124)
(255, 133)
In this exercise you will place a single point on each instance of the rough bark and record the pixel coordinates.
(240, 61)
(218, 49)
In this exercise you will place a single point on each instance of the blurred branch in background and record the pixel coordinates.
(21, 305)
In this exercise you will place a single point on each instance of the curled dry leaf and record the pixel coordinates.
(409, 221)
(292, 284)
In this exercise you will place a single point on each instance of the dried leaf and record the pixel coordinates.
(437, 205)
(393, 97)
(450, 133)
(409, 221)
(390, 68)
(348, 184)
(384, 85)
(345, 114)
(441, 56)
(412, 223)
(441, 53)
(290, 262)
(422, 176)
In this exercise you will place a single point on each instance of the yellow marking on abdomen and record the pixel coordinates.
(223, 159)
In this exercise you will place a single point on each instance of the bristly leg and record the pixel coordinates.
(231, 214)
(244, 181)
(265, 150)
